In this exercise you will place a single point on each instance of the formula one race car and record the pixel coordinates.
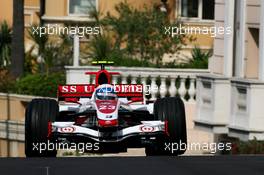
(113, 117)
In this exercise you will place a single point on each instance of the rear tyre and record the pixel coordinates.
(170, 110)
(38, 113)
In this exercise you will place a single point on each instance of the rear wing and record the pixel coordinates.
(86, 91)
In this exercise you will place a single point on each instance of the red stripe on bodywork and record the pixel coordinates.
(86, 90)
(49, 129)
(166, 128)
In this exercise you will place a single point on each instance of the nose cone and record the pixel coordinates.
(106, 106)
(107, 113)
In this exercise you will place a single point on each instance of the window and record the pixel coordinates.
(208, 9)
(200, 9)
(81, 7)
(190, 8)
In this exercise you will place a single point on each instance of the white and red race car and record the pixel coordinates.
(115, 116)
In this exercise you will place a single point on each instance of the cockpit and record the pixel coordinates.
(105, 92)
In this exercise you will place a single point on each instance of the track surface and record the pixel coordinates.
(214, 165)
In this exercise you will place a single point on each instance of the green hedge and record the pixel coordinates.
(40, 85)
(248, 147)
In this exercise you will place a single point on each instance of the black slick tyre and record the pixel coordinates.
(39, 113)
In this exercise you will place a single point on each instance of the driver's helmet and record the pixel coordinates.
(105, 92)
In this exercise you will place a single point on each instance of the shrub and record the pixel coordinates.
(40, 85)
(199, 60)
(131, 62)
(7, 82)
(248, 147)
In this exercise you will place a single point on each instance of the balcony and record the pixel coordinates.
(230, 106)
(247, 111)
(161, 82)
(213, 103)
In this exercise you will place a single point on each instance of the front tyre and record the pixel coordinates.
(38, 113)
(172, 111)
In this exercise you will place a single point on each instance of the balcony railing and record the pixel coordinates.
(157, 82)
(246, 114)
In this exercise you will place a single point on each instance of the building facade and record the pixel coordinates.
(194, 13)
(230, 98)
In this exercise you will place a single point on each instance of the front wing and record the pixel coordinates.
(65, 129)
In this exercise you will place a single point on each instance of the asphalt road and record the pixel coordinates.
(213, 165)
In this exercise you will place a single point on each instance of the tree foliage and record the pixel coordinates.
(137, 34)
(54, 54)
(18, 48)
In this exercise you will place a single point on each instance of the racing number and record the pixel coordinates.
(107, 107)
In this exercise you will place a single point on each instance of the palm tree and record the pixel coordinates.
(18, 54)
(42, 10)
(5, 45)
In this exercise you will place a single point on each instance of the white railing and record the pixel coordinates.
(161, 82)
(246, 114)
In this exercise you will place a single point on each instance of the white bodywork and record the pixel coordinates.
(85, 104)
(145, 127)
